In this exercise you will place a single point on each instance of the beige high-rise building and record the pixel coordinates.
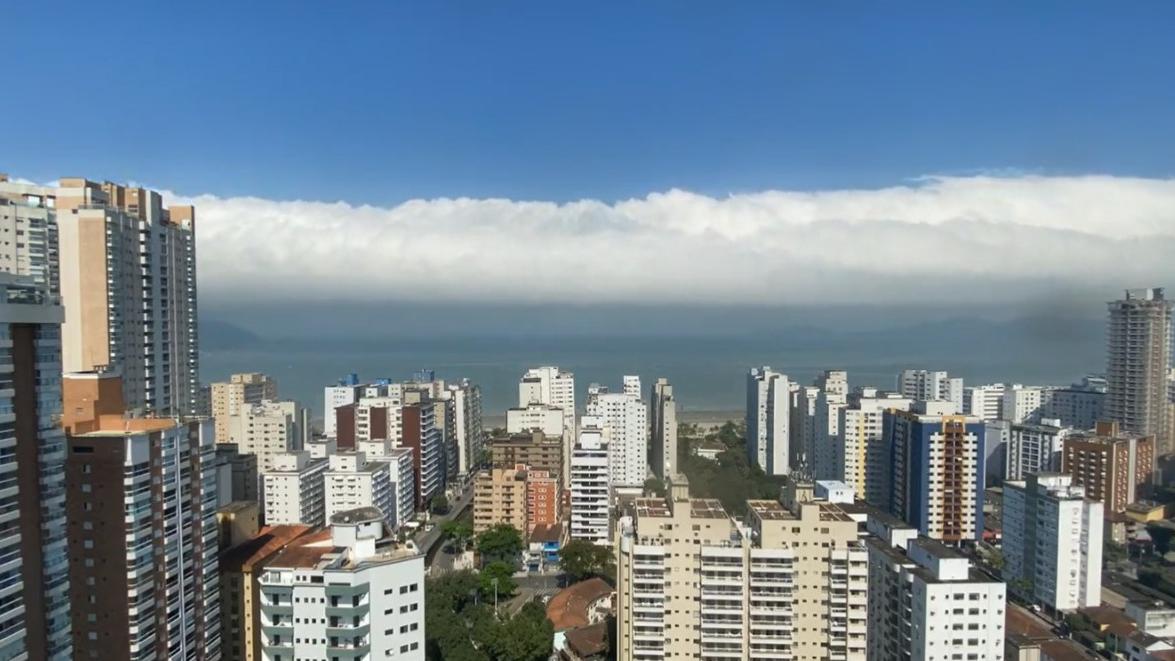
(265, 430)
(1138, 357)
(499, 496)
(786, 584)
(229, 396)
(128, 282)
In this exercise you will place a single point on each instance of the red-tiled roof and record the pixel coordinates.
(268, 541)
(569, 608)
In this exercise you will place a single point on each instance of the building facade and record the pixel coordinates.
(590, 484)
(833, 395)
(626, 418)
(663, 450)
(294, 490)
(1110, 464)
(1138, 358)
(352, 481)
(1034, 448)
(227, 398)
(860, 452)
(421, 435)
(769, 421)
(928, 385)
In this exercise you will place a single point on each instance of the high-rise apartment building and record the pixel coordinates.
(470, 441)
(28, 221)
(927, 385)
(936, 468)
(769, 421)
(693, 583)
(499, 496)
(1137, 361)
(543, 417)
(346, 391)
(1109, 464)
(265, 430)
(860, 453)
(1034, 449)
(663, 450)
(352, 481)
(1023, 404)
(985, 402)
(142, 530)
(626, 418)
(802, 424)
(1052, 542)
(548, 386)
(348, 593)
(227, 398)
(421, 435)
(237, 477)
(926, 601)
(128, 282)
(833, 395)
(590, 484)
(34, 613)
(402, 474)
(293, 491)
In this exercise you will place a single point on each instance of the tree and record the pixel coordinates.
(502, 573)
(458, 533)
(439, 504)
(525, 637)
(1161, 535)
(582, 559)
(654, 487)
(501, 542)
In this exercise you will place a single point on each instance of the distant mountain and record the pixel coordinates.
(221, 335)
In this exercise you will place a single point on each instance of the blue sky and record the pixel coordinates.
(384, 101)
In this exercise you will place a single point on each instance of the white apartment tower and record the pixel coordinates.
(985, 402)
(348, 593)
(1053, 542)
(1138, 358)
(293, 490)
(860, 453)
(265, 430)
(769, 420)
(401, 474)
(833, 395)
(802, 423)
(227, 398)
(929, 385)
(345, 392)
(28, 221)
(694, 583)
(926, 602)
(590, 483)
(352, 481)
(1034, 449)
(626, 419)
(466, 397)
(1023, 404)
(551, 387)
(663, 450)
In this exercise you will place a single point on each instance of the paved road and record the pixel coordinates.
(426, 540)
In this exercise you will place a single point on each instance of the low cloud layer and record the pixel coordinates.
(943, 239)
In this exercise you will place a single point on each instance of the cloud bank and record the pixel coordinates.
(942, 239)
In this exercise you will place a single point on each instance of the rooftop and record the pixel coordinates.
(653, 507)
(118, 425)
(707, 508)
(768, 509)
(547, 533)
(268, 541)
(588, 641)
(569, 608)
(358, 515)
(238, 506)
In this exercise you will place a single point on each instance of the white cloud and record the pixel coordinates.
(981, 238)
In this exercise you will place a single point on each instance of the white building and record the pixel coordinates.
(626, 419)
(293, 490)
(550, 385)
(544, 417)
(986, 402)
(351, 594)
(352, 481)
(1034, 449)
(1023, 403)
(1053, 542)
(834, 391)
(859, 454)
(929, 385)
(926, 603)
(663, 450)
(590, 483)
(401, 473)
(466, 397)
(802, 424)
(769, 420)
(1079, 406)
(345, 392)
(265, 430)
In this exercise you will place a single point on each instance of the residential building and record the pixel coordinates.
(590, 484)
(1034, 448)
(533, 448)
(343, 393)
(1109, 463)
(499, 496)
(936, 466)
(789, 584)
(834, 391)
(663, 450)
(1052, 542)
(227, 398)
(860, 454)
(802, 424)
(352, 481)
(1079, 406)
(543, 495)
(926, 601)
(466, 398)
(128, 282)
(266, 430)
(348, 593)
(1023, 404)
(984, 402)
(377, 414)
(28, 221)
(927, 385)
(142, 529)
(421, 435)
(240, 596)
(769, 421)
(1138, 358)
(552, 387)
(295, 490)
(997, 435)
(402, 474)
(34, 570)
(236, 474)
(543, 417)
(626, 418)
(238, 521)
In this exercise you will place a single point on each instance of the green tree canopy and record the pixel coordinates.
(501, 572)
(439, 504)
(654, 487)
(582, 559)
(459, 533)
(501, 542)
